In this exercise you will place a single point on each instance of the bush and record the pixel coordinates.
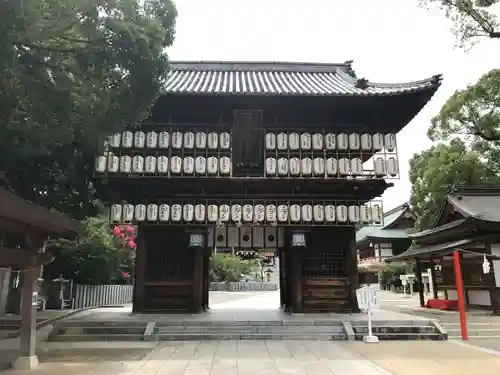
(391, 272)
(229, 268)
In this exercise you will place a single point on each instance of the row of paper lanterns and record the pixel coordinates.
(330, 141)
(247, 213)
(280, 141)
(213, 166)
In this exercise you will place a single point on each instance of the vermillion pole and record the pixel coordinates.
(460, 294)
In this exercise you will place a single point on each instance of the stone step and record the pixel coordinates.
(405, 336)
(475, 332)
(396, 329)
(259, 323)
(251, 329)
(249, 336)
(97, 337)
(8, 334)
(102, 323)
(103, 330)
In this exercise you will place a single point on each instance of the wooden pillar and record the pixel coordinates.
(297, 287)
(27, 334)
(281, 270)
(197, 279)
(138, 304)
(433, 281)
(206, 281)
(352, 271)
(418, 271)
(494, 290)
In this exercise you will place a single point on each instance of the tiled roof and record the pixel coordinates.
(390, 217)
(286, 79)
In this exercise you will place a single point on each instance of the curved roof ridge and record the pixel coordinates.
(433, 80)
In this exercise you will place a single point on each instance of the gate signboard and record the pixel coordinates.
(368, 299)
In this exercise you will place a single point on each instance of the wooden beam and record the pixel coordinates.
(23, 259)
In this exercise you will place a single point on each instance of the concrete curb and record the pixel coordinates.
(351, 335)
(442, 331)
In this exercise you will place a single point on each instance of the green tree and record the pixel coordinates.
(72, 72)
(472, 19)
(434, 172)
(95, 257)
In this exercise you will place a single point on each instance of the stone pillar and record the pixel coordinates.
(27, 354)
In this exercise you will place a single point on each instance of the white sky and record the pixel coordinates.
(389, 41)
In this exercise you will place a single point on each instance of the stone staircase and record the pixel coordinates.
(479, 330)
(400, 330)
(79, 330)
(9, 326)
(248, 330)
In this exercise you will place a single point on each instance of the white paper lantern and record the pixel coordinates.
(377, 214)
(175, 164)
(392, 167)
(151, 139)
(138, 164)
(282, 167)
(356, 167)
(200, 165)
(125, 164)
(282, 213)
(187, 213)
(115, 140)
(344, 166)
(201, 140)
(177, 140)
(353, 213)
(128, 213)
(199, 213)
(162, 164)
(100, 164)
(188, 140)
(294, 167)
(379, 167)
(152, 212)
(295, 213)
(354, 141)
(270, 167)
(341, 213)
(163, 139)
(317, 141)
(113, 163)
(365, 215)
(127, 139)
(390, 142)
(330, 141)
(236, 213)
(224, 213)
(164, 212)
(319, 167)
(330, 215)
(213, 141)
(225, 166)
(366, 142)
(150, 164)
(307, 213)
(270, 141)
(139, 139)
(188, 165)
(305, 141)
(259, 213)
(318, 213)
(270, 213)
(247, 213)
(176, 213)
(212, 165)
(293, 141)
(116, 213)
(140, 212)
(282, 141)
(331, 167)
(306, 167)
(378, 141)
(225, 141)
(342, 141)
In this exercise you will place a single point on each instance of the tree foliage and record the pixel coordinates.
(471, 19)
(229, 268)
(72, 72)
(473, 113)
(96, 257)
(434, 172)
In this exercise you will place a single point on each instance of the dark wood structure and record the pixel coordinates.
(24, 228)
(376, 244)
(257, 155)
(469, 222)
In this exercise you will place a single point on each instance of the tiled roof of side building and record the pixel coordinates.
(281, 78)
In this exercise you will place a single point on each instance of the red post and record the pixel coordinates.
(460, 294)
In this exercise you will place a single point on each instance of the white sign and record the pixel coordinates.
(368, 299)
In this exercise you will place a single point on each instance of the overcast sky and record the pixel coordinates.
(389, 41)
